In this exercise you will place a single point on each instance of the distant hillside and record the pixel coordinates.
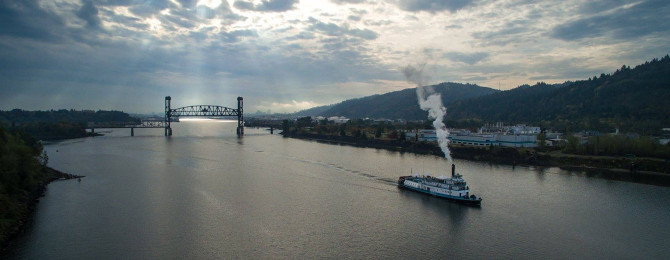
(313, 111)
(398, 104)
(635, 100)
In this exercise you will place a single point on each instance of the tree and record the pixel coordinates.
(573, 144)
(304, 122)
(44, 158)
(356, 133)
(393, 134)
(286, 126)
(541, 139)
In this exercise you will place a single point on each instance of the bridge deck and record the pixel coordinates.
(144, 124)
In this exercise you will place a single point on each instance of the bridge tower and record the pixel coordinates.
(168, 116)
(240, 116)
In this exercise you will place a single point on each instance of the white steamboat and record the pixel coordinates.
(454, 188)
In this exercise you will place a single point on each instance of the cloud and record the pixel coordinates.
(27, 19)
(432, 6)
(341, 2)
(468, 58)
(148, 8)
(235, 36)
(204, 52)
(332, 29)
(266, 5)
(302, 36)
(625, 21)
(509, 32)
(291, 106)
(89, 13)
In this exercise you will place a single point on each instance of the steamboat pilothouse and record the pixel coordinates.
(454, 188)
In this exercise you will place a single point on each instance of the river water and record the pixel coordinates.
(204, 193)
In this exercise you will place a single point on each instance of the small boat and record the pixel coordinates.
(454, 188)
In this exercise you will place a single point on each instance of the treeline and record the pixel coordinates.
(63, 115)
(618, 145)
(52, 131)
(59, 124)
(356, 128)
(22, 173)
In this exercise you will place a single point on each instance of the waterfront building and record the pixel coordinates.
(465, 137)
(338, 119)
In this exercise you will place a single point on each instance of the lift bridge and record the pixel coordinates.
(204, 111)
(173, 114)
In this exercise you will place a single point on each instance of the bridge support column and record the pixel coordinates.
(240, 116)
(132, 131)
(168, 115)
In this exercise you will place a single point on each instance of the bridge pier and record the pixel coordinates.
(240, 116)
(168, 115)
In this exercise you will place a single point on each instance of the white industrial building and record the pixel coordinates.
(465, 137)
(338, 119)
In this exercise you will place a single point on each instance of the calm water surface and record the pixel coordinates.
(204, 193)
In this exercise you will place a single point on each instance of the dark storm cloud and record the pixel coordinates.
(89, 13)
(468, 58)
(619, 22)
(267, 5)
(432, 5)
(27, 20)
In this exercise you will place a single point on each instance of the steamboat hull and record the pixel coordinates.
(461, 200)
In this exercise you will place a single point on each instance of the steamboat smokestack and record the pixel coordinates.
(453, 170)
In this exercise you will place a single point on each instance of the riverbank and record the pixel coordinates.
(25, 207)
(658, 169)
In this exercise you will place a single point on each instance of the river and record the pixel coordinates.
(206, 194)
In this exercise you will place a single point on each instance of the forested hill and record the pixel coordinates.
(63, 115)
(58, 124)
(401, 104)
(634, 100)
(313, 111)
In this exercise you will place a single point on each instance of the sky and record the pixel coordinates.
(288, 55)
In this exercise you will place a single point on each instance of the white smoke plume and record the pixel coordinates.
(431, 102)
